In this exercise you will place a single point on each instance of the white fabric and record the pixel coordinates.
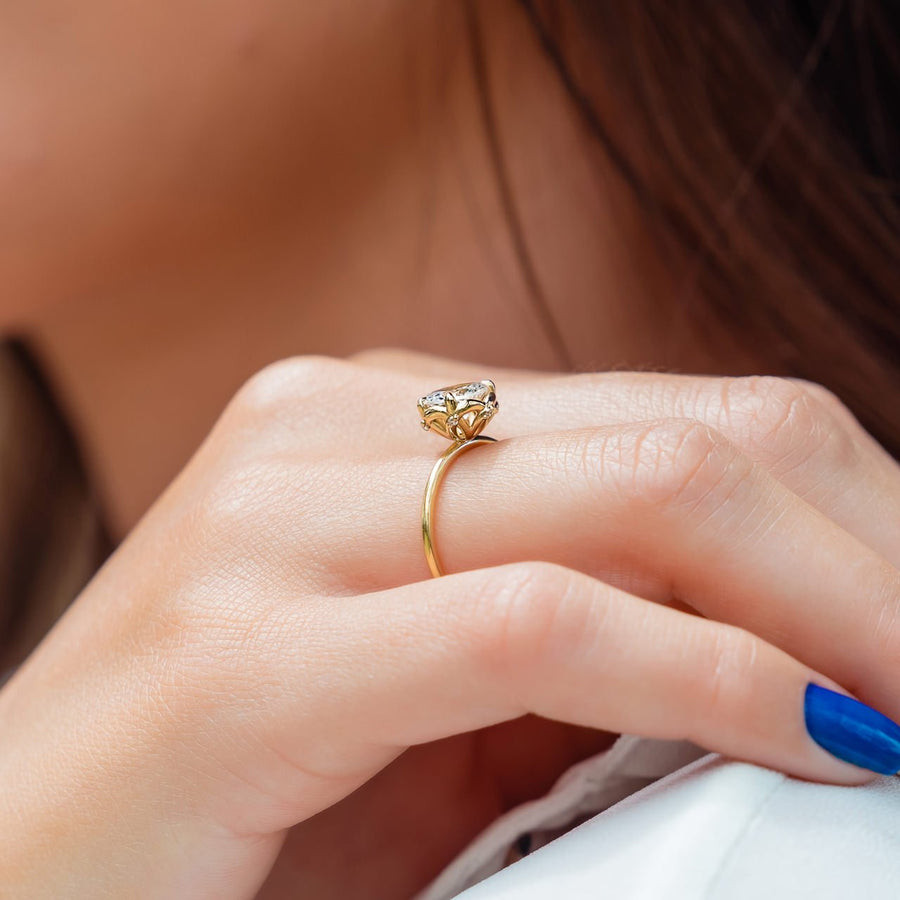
(587, 788)
(713, 829)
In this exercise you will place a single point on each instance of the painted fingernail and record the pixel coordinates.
(852, 731)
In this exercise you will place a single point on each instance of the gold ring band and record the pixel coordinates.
(458, 413)
(431, 488)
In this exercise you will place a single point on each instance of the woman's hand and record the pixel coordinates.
(268, 639)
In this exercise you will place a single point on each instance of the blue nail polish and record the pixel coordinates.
(852, 731)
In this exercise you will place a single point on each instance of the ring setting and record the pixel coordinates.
(461, 411)
(458, 413)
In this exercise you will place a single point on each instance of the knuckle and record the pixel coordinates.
(239, 496)
(526, 611)
(729, 673)
(788, 422)
(287, 382)
(825, 398)
(680, 463)
(589, 459)
(883, 625)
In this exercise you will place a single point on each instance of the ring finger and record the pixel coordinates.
(798, 431)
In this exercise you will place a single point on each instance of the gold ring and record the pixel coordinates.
(458, 413)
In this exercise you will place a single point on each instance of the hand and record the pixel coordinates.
(268, 639)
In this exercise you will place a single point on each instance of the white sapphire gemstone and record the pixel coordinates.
(459, 412)
(435, 398)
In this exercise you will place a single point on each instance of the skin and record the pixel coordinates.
(226, 709)
(200, 219)
(266, 641)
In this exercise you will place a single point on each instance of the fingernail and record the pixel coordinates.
(852, 731)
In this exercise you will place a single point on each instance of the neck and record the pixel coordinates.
(392, 248)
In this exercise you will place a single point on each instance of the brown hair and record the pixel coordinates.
(52, 537)
(756, 135)
(760, 139)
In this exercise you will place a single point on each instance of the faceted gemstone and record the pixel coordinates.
(461, 411)
(433, 399)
